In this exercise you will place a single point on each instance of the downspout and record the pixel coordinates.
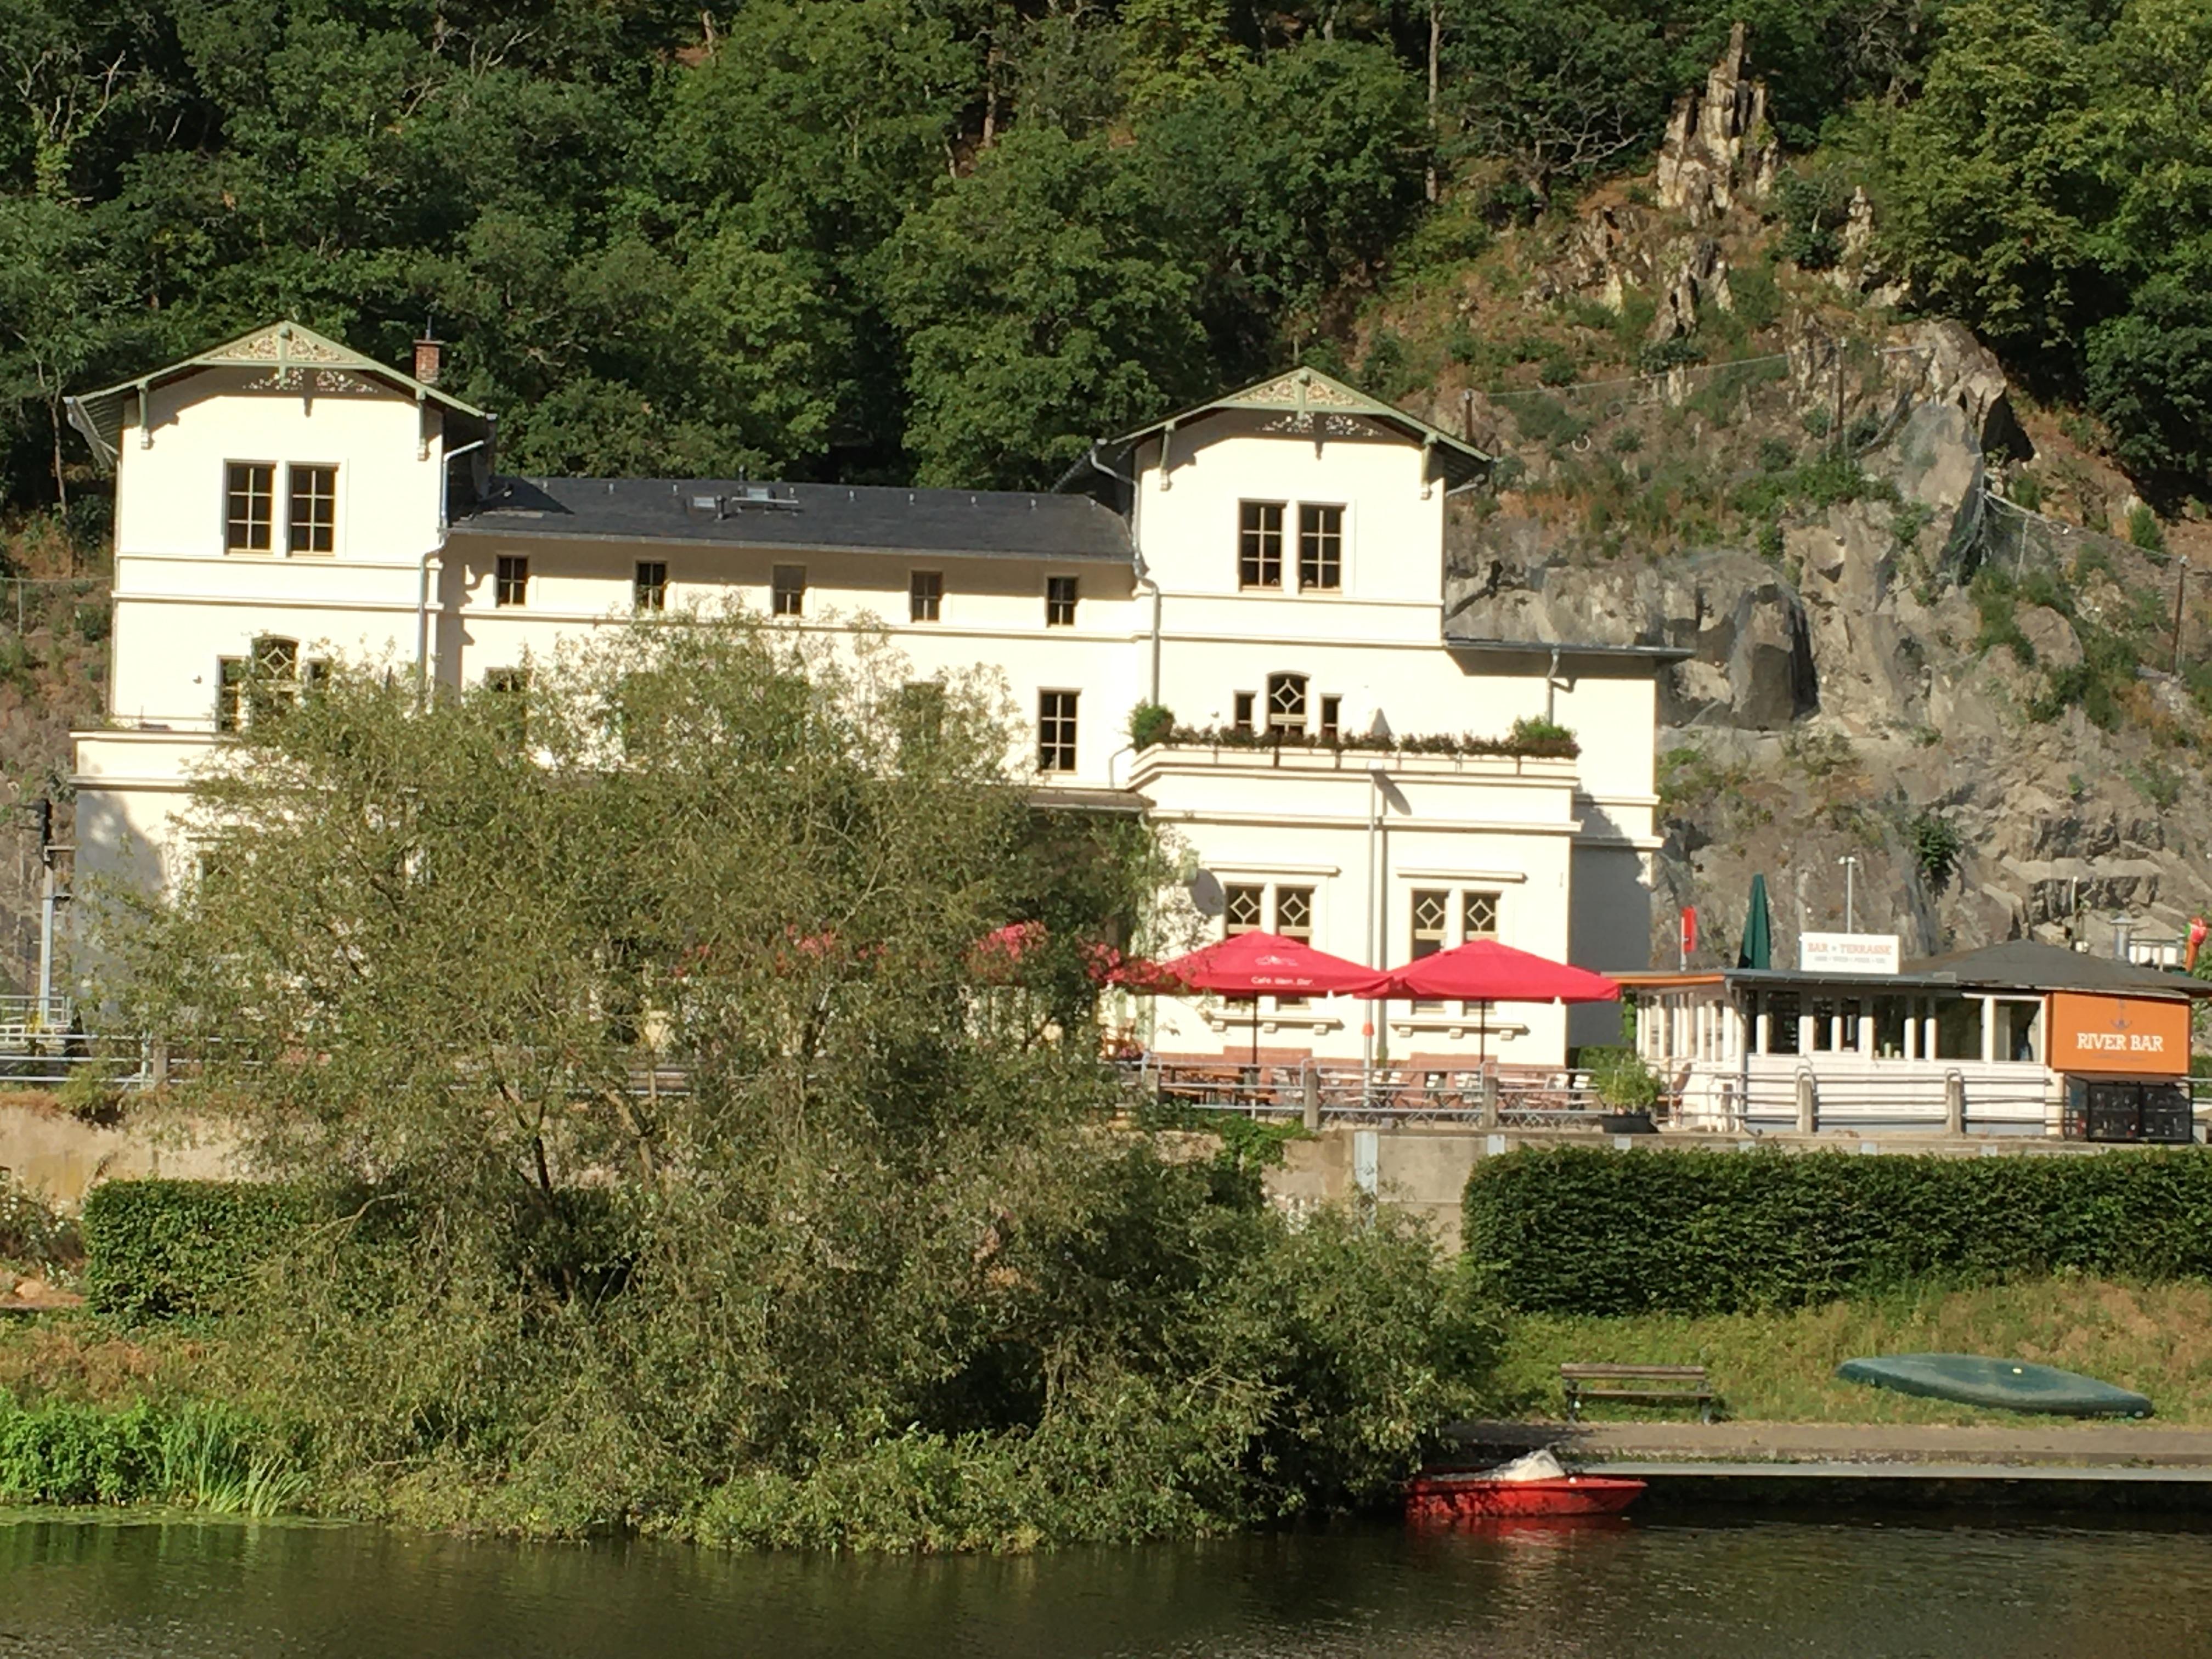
(423, 582)
(1137, 569)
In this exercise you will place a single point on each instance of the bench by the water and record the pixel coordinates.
(1651, 1385)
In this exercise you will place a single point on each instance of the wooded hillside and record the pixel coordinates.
(947, 240)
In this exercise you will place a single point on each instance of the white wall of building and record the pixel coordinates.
(1564, 845)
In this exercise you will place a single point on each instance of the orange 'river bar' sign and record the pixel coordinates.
(2119, 1034)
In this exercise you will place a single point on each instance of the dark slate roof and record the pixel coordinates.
(824, 518)
(2022, 964)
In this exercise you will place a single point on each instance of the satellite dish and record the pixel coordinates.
(1206, 893)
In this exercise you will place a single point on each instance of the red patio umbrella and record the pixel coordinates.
(1483, 970)
(1251, 964)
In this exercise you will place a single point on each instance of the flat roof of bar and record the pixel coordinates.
(2015, 965)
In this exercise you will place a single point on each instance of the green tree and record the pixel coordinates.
(1040, 303)
(1999, 178)
(683, 1165)
(1299, 173)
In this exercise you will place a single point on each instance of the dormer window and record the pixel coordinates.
(249, 507)
(1260, 545)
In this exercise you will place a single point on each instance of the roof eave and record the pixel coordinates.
(1459, 461)
(97, 414)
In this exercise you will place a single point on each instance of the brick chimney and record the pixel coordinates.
(426, 360)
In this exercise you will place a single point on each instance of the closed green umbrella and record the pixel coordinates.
(1758, 950)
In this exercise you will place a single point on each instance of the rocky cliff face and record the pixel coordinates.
(1891, 662)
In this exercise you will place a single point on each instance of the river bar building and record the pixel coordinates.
(2013, 1039)
(1269, 566)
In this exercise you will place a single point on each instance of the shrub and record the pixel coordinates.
(158, 1250)
(31, 1231)
(2026, 489)
(1532, 730)
(1724, 1232)
(1621, 1079)
(206, 1456)
(1149, 723)
(2143, 529)
(1661, 355)
(1935, 844)
(1547, 420)
(1757, 295)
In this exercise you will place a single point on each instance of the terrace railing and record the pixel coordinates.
(1513, 1097)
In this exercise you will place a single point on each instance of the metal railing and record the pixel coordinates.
(1502, 1097)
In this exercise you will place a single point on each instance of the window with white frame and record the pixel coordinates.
(1243, 909)
(1060, 596)
(1294, 918)
(262, 685)
(1430, 919)
(249, 505)
(1478, 914)
(787, 590)
(314, 516)
(1056, 731)
(1331, 712)
(1442, 918)
(1240, 718)
(649, 592)
(1287, 704)
(1260, 545)
(1320, 548)
(925, 595)
(510, 581)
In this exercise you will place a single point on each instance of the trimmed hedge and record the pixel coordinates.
(1578, 1231)
(161, 1249)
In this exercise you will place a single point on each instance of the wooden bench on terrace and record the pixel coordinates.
(1652, 1385)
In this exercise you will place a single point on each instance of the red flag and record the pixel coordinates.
(2197, 932)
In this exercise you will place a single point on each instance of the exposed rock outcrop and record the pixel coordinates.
(1719, 149)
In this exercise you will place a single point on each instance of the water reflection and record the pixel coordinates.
(1669, 1587)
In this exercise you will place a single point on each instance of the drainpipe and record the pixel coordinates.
(1137, 557)
(422, 581)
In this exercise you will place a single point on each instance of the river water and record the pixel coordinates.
(1754, 1584)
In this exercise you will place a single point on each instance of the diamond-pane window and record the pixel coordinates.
(1432, 915)
(1479, 915)
(1294, 908)
(1287, 704)
(1244, 910)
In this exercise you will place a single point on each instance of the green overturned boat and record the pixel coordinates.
(2015, 1385)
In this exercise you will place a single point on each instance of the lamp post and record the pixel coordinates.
(1375, 1044)
(1850, 863)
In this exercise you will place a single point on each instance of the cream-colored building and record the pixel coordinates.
(1271, 563)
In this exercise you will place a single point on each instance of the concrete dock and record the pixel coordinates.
(2099, 1462)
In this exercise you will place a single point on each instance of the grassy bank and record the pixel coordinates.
(2156, 1339)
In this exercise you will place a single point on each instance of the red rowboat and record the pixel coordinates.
(1433, 1498)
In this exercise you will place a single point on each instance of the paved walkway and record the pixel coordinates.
(2107, 1445)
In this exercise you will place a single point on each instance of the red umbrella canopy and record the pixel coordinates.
(1483, 970)
(1248, 964)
